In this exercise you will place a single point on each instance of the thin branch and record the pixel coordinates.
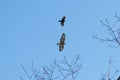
(113, 36)
(21, 78)
(56, 70)
(108, 75)
(26, 72)
(72, 68)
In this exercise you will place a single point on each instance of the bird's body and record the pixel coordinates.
(62, 42)
(62, 21)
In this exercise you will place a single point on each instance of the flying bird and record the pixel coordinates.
(62, 42)
(62, 21)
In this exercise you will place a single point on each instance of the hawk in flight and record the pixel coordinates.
(62, 42)
(62, 21)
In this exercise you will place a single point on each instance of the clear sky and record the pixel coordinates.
(29, 31)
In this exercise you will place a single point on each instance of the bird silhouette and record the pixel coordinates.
(62, 42)
(62, 20)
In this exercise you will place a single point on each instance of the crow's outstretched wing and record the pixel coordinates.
(63, 18)
(62, 23)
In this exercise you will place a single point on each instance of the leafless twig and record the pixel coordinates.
(29, 76)
(114, 34)
(108, 75)
(70, 68)
(57, 70)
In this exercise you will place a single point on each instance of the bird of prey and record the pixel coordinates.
(62, 42)
(62, 21)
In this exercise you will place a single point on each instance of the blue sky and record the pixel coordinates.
(29, 31)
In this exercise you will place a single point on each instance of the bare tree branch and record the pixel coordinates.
(21, 78)
(113, 35)
(108, 75)
(72, 69)
(57, 70)
(29, 76)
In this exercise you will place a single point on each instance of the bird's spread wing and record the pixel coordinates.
(61, 47)
(62, 40)
(62, 23)
(63, 18)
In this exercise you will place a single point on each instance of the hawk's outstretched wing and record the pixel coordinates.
(62, 38)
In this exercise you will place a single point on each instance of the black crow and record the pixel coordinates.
(62, 21)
